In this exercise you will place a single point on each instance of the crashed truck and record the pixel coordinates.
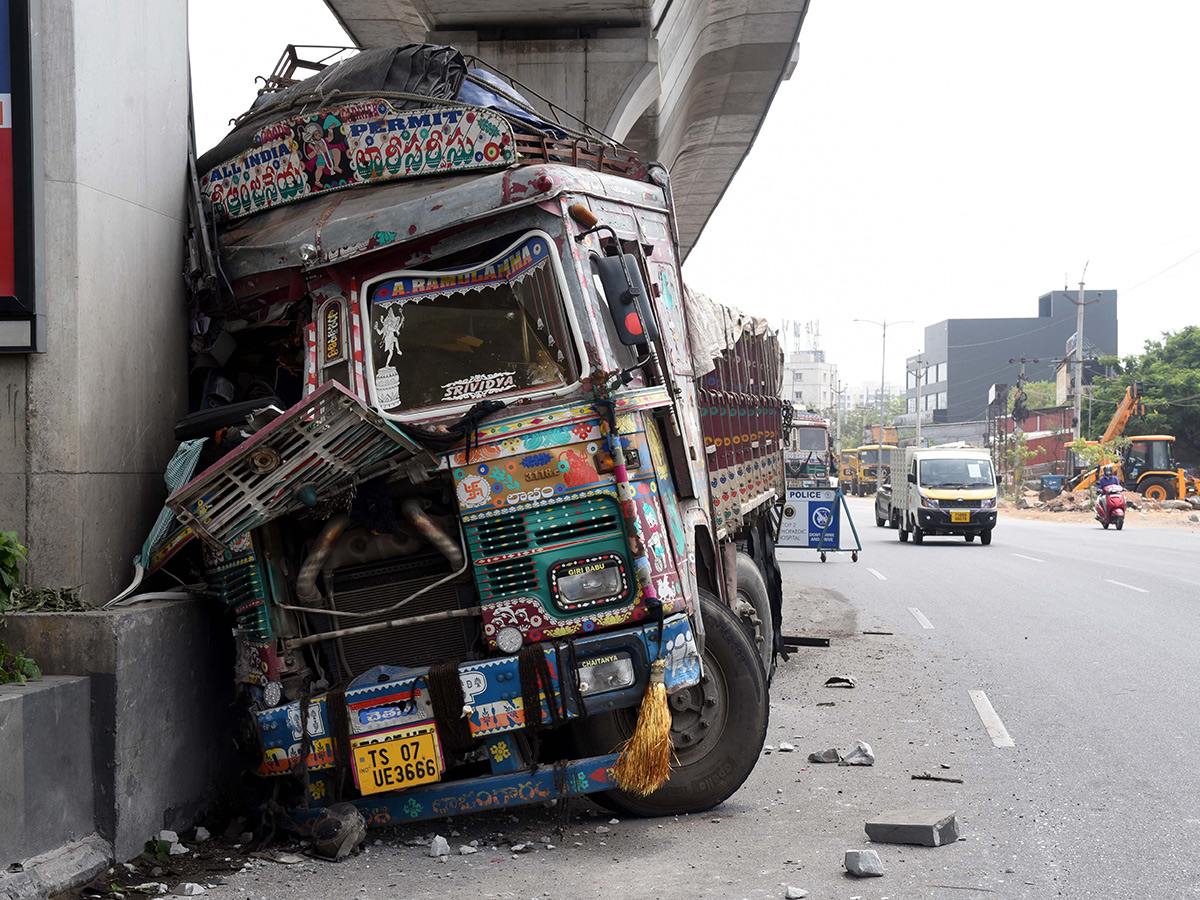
(466, 460)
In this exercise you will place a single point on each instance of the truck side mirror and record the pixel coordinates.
(626, 295)
(912, 479)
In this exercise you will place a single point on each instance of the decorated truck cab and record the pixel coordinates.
(462, 456)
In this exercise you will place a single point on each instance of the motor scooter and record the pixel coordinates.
(1110, 506)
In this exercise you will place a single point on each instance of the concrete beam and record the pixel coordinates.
(687, 83)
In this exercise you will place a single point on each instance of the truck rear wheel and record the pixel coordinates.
(717, 727)
(754, 609)
(918, 534)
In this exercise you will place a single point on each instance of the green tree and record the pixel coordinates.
(856, 423)
(1169, 370)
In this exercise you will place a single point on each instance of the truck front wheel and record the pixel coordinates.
(717, 727)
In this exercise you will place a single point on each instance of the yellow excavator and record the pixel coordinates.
(1147, 465)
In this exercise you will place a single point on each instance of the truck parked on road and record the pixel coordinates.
(943, 491)
(477, 470)
(808, 459)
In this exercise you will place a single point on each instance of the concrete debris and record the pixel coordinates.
(794, 893)
(602, 829)
(439, 846)
(522, 848)
(189, 889)
(288, 859)
(149, 887)
(614, 821)
(925, 827)
(202, 834)
(786, 748)
(863, 863)
(1194, 518)
(467, 850)
(825, 756)
(170, 837)
(1176, 504)
(246, 837)
(840, 681)
(177, 849)
(858, 755)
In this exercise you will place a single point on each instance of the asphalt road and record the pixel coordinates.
(1081, 640)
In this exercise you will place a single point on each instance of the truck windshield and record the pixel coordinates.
(453, 337)
(808, 438)
(962, 474)
(868, 457)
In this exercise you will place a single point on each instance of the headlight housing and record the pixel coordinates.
(930, 502)
(605, 673)
(584, 583)
(987, 504)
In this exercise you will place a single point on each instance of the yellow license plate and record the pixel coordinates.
(398, 759)
(960, 515)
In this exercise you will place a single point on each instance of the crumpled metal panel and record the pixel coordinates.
(326, 442)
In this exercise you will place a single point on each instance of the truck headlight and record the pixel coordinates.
(929, 502)
(987, 504)
(605, 673)
(582, 583)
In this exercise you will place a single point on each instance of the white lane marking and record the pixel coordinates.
(878, 575)
(991, 721)
(1030, 558)
(1130, 586)
(920, 617)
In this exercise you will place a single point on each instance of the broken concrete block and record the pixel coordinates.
(858, 755)
(439, 846)
(795, 893)
(785, 747)
(825, 756)
(926, 827)
(863, 863)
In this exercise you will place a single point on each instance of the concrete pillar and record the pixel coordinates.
(85, 428)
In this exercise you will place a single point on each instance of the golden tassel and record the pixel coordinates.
(645, 761)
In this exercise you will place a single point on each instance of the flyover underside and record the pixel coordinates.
(687, 83)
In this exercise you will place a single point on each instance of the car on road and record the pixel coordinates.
(884, 514)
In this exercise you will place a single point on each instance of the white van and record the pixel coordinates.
(944, 490)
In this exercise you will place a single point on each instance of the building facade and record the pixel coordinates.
(810, 382)
(963, 358)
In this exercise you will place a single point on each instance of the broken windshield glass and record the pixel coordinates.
(446, 338)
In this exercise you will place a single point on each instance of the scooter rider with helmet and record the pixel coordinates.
(1106, 478)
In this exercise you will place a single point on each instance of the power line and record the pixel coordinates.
(1163, 272)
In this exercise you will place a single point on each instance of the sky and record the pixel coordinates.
(930, 160)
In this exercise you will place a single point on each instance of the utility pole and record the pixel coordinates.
(1017, 416)
(1079, 305)
(882, 382)
(921, 369)
(838, 414)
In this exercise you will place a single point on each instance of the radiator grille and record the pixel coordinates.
(514, 576)
(959, 504)
(378, 586)
(528, 534)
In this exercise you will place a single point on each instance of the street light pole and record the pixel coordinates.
(882, 380)
(1079, 358)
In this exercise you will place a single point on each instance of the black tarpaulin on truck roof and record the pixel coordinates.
(425, 70)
